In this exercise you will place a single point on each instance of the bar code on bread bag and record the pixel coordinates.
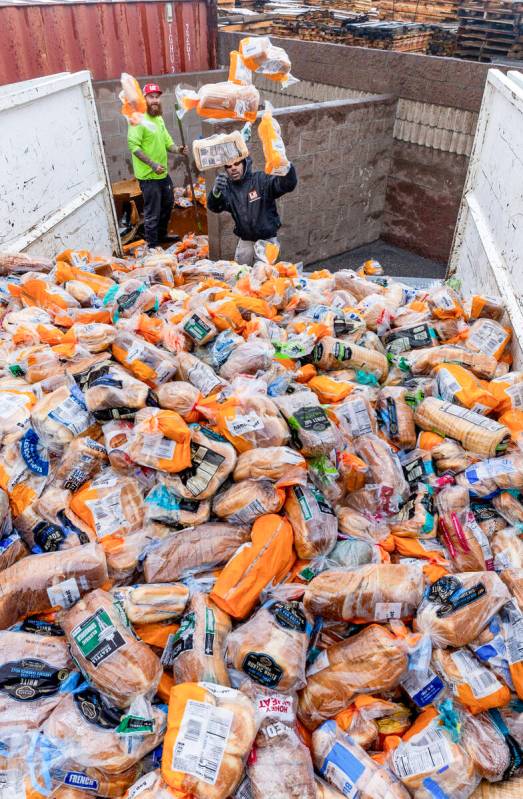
(357, 417)
(201, 741)
(429, 753)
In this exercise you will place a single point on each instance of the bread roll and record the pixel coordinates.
(375, 592)
(112, 393)
(60, 416)
(313, 521)
(459, 606)
(373, 660)
(36, 583)
(271, 646)
(248, 358)
(178, 396)
(116, 663)
(193, 550)
(145, 604)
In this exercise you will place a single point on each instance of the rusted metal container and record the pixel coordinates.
(107, 38)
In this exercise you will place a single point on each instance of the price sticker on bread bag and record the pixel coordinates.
(97, 638)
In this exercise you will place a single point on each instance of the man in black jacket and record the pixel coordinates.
(250, 198)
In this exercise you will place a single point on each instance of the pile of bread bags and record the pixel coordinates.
(260, 532)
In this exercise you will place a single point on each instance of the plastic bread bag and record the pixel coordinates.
(246, 501)
(93, 733)
(164, 505)
(238, 72)
(472, 683)
(346, 766)
(12, 549)
(355, 416)
(429, 760)
(507, 549)
(263, 58)
(385, 470)
(198, 327)
(445, 303)
(281, 764)
(450, 457)
(488, 336)
(37, 673)
(56, 579)
(512, 631)
(475, 432)
(109, 505)
(508, 390)
(161, 440)
(423, 361)
(361, 719)
(264, 561)
(418, 517)
(207, 766)
(485, 477)
(151, 786)
(196, 651)
(464, 539)
(103, 645)
(248, 358)
(181, 397)
(352, 552)
(509, 507)
(271, 646)
(192, 551)
(313, 521)
(374, 592)
(486, 745)
(112, 393)
(146, 604)
(513, 579)
(312, 431)
(269, 131)
(130, 297)
(372, 661)
(454, 383)
(133, 102)
(273, 463)
(457, 607)
(225, 100)
(331, 353)
(81, 461)
(484, 306)
(212, 459)
(397, 417)
(199, 374)
(61, 416)
(145, 361)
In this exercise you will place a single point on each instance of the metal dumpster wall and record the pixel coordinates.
(487, 253)
(143, 38)
(54, 188)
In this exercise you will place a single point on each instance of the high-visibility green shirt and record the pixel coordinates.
(153, 143)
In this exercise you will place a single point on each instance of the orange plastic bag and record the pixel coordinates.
(266, 559)
(99, 284)
(456, 384)
(161, 440)
(269, 131)
(328, 389)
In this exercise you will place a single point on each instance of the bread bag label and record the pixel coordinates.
(323, 505)
(488, 337)
(203, 378)
(243, 791)
(196, 328)
(262, 668)
(306, 511)
(288, 615)
(77, 779)
(107, 512)
(249, 513)
(181, 641)
(357, 417)
(64, 594)
(30, 678)
(387, 610)
(97, 638)
(412, 338)
(49, 537)
(422, 688)
(312, 418)
(41, 627)
(97, 712)
(481, 681)
(34, 453)
(427, 752)
(342, 769)
(201, 740)
(244, 423)
(515, 393)
(72, 412)
(514, 633)
(204, 465)
(450, 594)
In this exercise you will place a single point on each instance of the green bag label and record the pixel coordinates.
(210, 629)
(181, 641)
(135, 725)
(97, 638)
(196, 328)
(302, 501)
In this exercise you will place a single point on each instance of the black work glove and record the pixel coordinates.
(220, 184)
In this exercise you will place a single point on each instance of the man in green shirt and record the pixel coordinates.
(149, 144)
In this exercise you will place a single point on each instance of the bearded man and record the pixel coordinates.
(149, 144)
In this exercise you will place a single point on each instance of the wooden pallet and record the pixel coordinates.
(489, 29)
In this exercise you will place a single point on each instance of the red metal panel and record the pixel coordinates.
(143, 38)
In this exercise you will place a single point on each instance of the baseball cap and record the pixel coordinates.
(151, 88)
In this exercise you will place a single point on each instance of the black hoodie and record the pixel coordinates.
(251, 201)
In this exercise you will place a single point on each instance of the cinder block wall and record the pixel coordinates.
(114, 126)
(436, 118)
(341, 150)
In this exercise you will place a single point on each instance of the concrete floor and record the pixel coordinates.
(394, 260)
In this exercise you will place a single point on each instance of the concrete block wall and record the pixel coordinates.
(341, 150)
(438, 101)
(114, 126)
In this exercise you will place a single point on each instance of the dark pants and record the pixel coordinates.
(158, 201)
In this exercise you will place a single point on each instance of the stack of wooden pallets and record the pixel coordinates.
(489, 29)
(419, 10)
